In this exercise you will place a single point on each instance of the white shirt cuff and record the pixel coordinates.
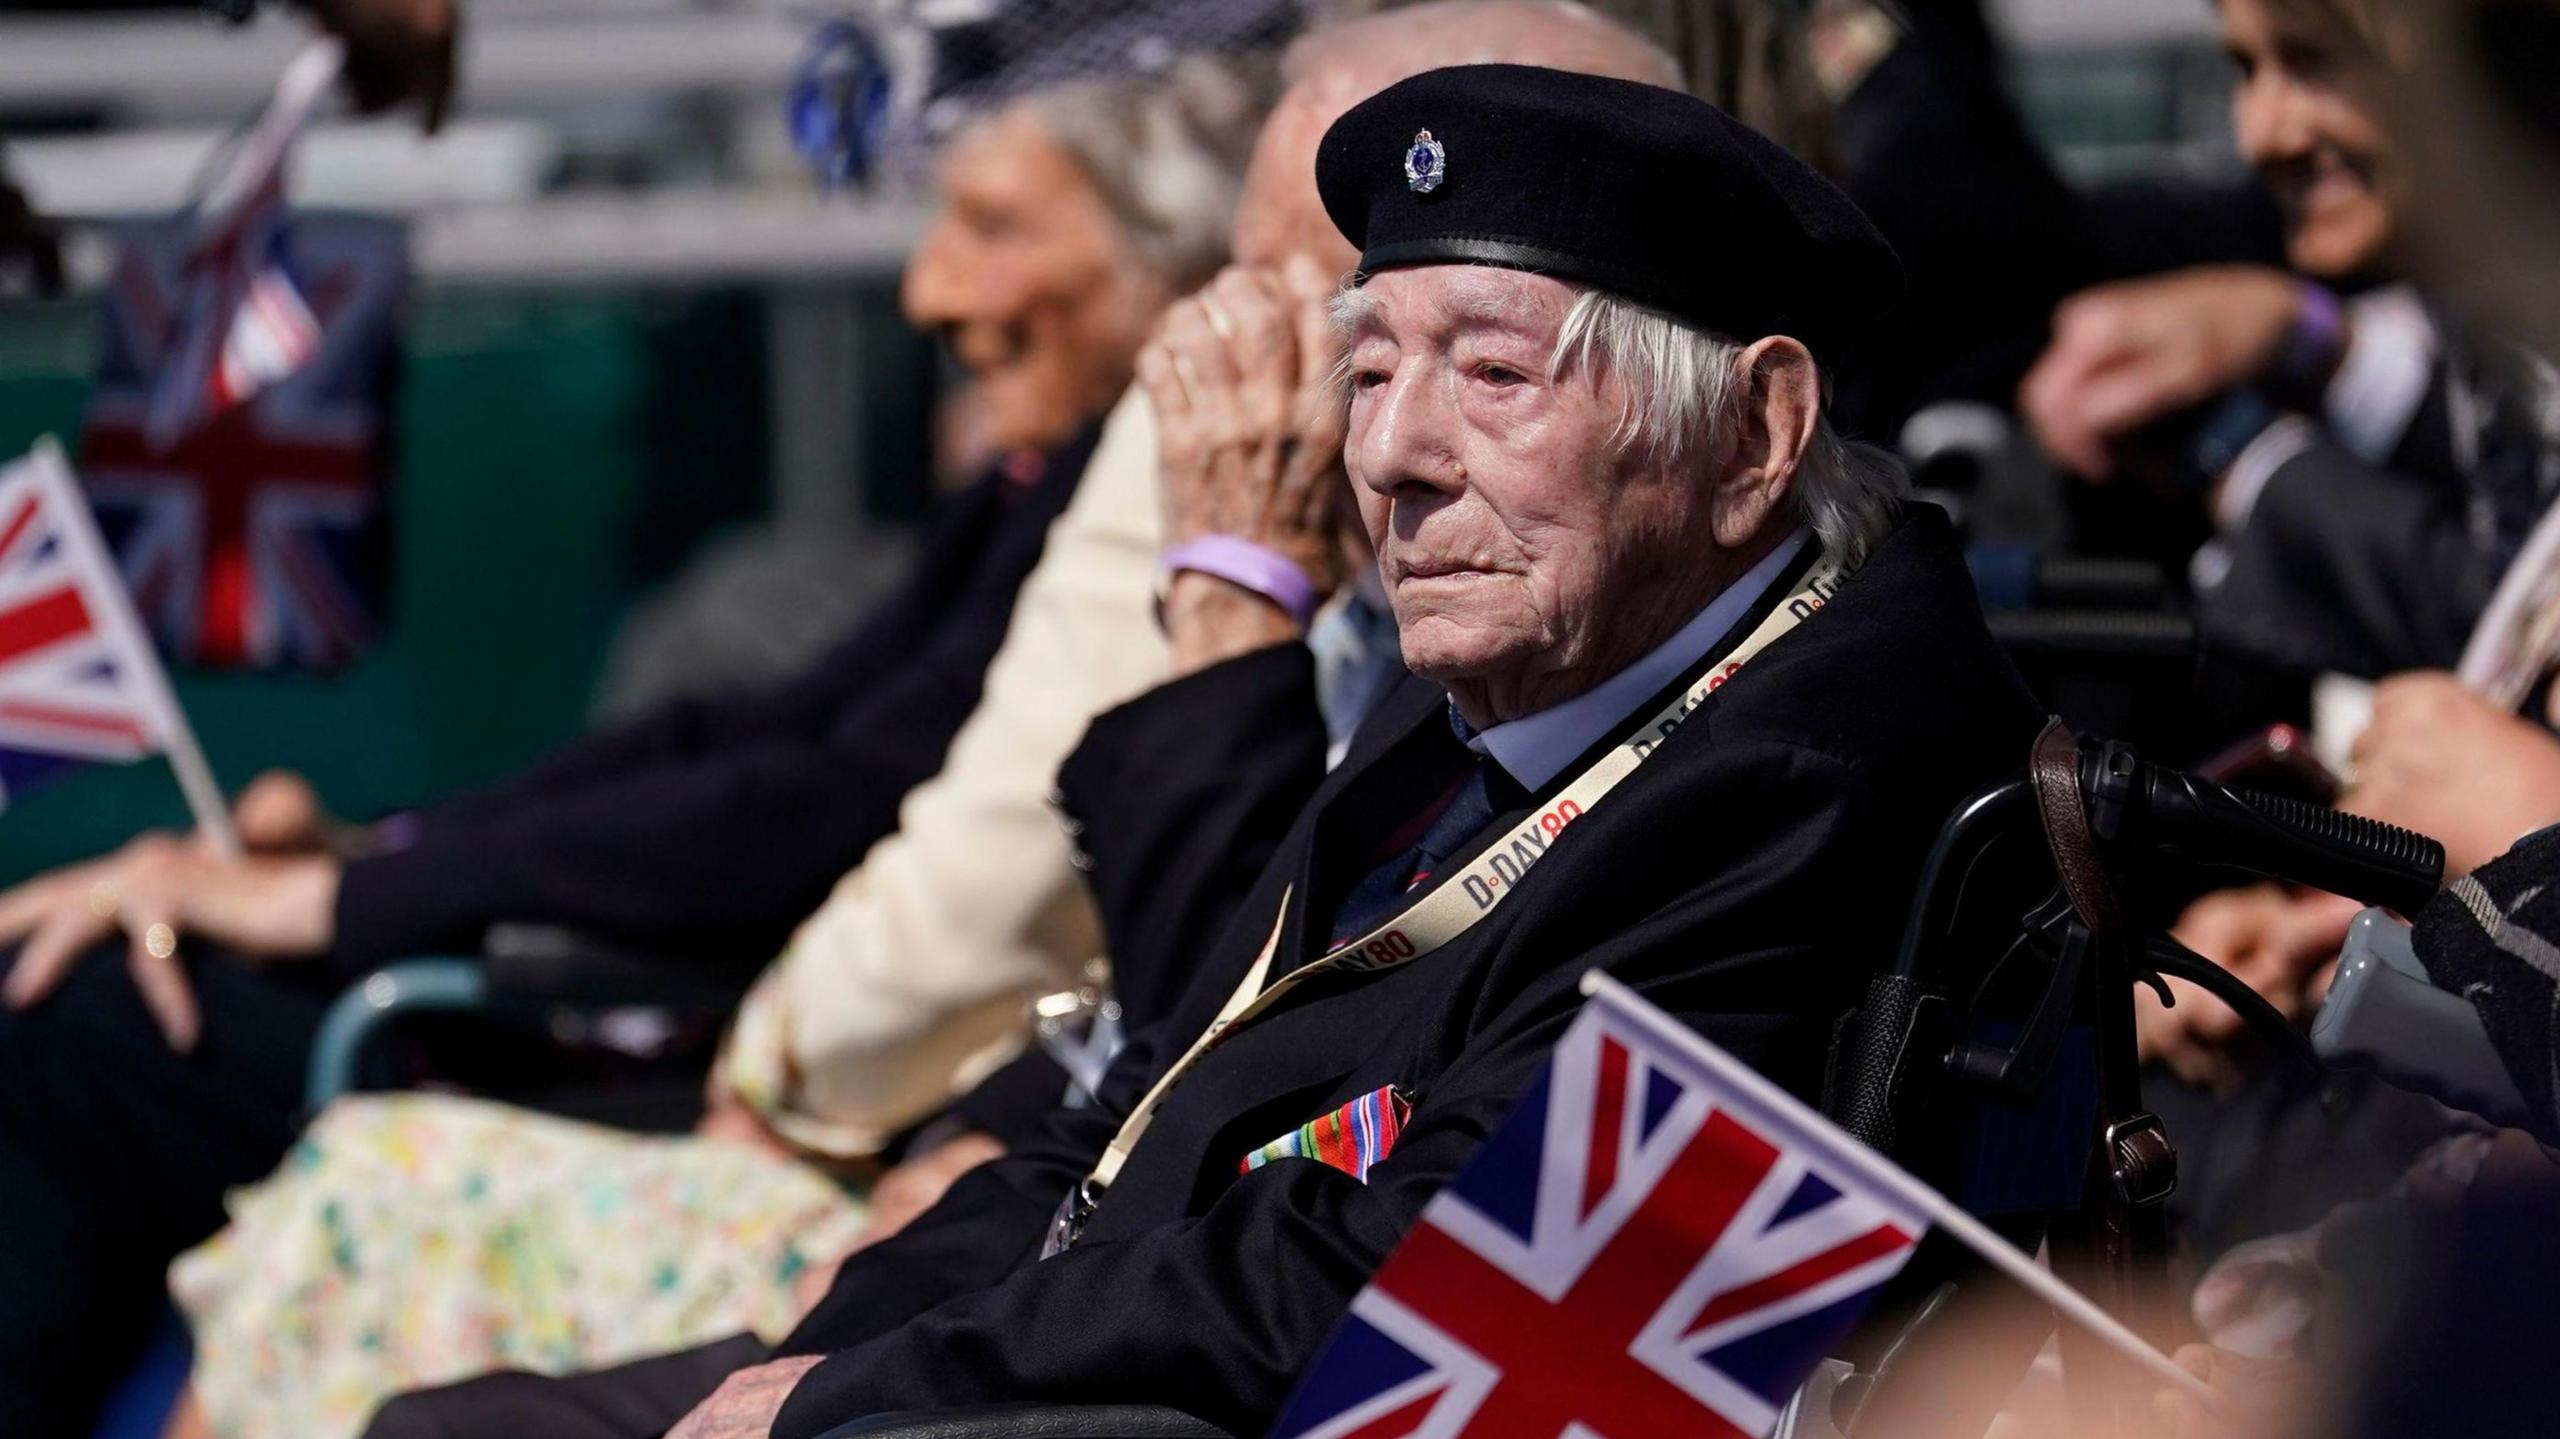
(2382, 378)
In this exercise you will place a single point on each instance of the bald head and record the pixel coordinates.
(1337, 66)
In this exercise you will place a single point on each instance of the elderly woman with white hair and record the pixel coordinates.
(414, 1239)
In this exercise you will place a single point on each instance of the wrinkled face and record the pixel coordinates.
(1512, 535)
(1027, 277)
(2305, 116)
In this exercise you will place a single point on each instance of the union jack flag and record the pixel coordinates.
(243, 322)
(260, 536)
(237, 437)
(1655, 1243)
(78, 683)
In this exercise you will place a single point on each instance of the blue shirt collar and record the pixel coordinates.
(1534, 749)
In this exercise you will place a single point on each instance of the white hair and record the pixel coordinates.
(1683, 390)
(1166, 152)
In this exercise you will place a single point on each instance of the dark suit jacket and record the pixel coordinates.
(1745, 879)
(712, 828)
(2370, 569)
(1177, 800)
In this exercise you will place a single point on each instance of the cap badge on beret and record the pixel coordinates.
(1426, 163)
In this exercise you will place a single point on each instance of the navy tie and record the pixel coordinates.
(1456, 815)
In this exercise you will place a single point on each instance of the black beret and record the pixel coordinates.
(1649, 193)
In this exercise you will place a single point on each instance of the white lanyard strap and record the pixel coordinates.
(1450, 908)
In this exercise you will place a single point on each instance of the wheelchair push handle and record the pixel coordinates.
(2285, 839)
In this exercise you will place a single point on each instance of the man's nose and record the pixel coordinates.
(1411, 439)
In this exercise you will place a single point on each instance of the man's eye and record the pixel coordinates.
(1495, 374)
(1367, 379)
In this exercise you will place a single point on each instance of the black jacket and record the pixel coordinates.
(2369, 569)
(711, 828)
(1177, 800)
(1745, 879)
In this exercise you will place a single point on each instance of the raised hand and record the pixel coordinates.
(2127, 354)
(1249, 434)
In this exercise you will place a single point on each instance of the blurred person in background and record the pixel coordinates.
(142, 1077)
(2374, 472)
(2475, 109)
(2372, 469)
(399, 52)
(2366, 532)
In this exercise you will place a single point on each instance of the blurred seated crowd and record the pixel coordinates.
(1307, 543)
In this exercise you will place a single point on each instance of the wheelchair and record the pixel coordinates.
(1995, 1058)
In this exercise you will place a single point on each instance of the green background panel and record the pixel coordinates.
(557, 454)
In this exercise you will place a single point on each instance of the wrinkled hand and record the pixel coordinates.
(744, 1405)
(1249, 436)
(398, 51)
(732, 1120)
(917, 1185)
(2280, 944)
(2442, 761)
(903, 1193)
(156, 889)
(2127, 354)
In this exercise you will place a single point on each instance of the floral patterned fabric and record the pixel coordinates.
(416, 1239)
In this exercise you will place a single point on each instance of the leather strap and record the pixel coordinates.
(2053, 768)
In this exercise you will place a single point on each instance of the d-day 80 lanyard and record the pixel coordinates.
(1447, 909)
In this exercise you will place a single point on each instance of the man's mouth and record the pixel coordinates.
(1443, 570)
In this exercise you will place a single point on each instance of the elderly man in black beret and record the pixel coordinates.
(1692, 690)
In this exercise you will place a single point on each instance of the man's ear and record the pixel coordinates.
(1780, 413)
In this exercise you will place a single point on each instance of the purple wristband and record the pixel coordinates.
(2312, 344)
(1259, 568)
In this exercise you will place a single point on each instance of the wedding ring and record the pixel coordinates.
(103, 900)
(160, 940)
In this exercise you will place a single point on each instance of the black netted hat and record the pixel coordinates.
(1652, 194)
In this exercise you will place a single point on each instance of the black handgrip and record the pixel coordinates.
(2286, 839)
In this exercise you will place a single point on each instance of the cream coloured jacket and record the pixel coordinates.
(909, 983)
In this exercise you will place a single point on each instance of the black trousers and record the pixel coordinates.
(114, 1157)
(639, 1400)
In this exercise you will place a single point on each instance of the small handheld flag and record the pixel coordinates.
(243, 322)
(1657, 1241)
(79, 683)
